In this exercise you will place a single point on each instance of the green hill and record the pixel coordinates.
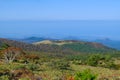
(77, 46)
(60, 46)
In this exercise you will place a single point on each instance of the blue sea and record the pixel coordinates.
(90, 29)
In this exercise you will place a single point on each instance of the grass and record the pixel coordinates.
(44, 70)
(53, 74)
(102, 72)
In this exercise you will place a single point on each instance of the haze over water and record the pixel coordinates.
(60, 29)
(60, 18)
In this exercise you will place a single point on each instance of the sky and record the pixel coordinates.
(59, 9)
(60, 18)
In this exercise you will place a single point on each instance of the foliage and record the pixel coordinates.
(77, 62)
(87, 47)
(85, 75)
(112, 65)
(60, 65)
(10, 54)
(33, 67)
(4, 46)
(24, 79)
(70, 47)
(93, 60)
(53, 62)
(4, 77)
(98, 60)
(78, 59)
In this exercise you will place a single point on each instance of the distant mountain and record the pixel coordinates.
(111, 43)
(106, 41)
(31, 39)
(71, 38)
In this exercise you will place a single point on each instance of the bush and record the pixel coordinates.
(77, 62)
(4, 77)
(33, 67)
(99, 60)
(85, 75)
(93, 60)
(60, 64)
(112, 65)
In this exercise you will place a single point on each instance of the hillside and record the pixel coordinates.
(111, 43)
(30, 47)
(60, 46)
(42, 63)
(77, 46)
(36, 40)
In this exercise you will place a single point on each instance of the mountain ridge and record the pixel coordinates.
(71, 46)
(106, 41)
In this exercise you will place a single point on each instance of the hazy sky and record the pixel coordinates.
(90, 29)
(59, 9)
(19, 18)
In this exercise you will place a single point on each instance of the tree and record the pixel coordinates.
(11, 53)
(3, 46)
